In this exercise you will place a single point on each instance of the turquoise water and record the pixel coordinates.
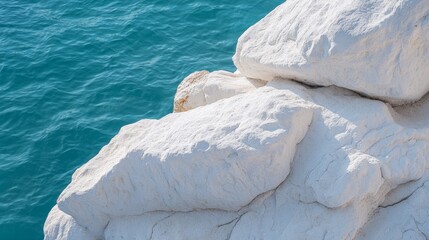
(73, 72)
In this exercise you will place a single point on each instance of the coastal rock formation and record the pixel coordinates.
(379, 48)
(368, 158)
(208, 158)
(244, 159)
(202, 88)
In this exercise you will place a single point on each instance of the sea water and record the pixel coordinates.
(73, 72)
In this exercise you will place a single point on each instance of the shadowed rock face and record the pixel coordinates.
(379, 48)
(244, 159)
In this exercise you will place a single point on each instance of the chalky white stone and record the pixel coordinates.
(358, 158)
(213, 157)
(379, 48)
(202, 88)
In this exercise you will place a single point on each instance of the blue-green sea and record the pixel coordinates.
(73, 72)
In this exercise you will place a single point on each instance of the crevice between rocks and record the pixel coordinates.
(404, 198)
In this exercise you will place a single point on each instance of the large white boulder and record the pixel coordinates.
(225, 171)
(203, 87)
(220, 156)
(354, 158)
(379, 48)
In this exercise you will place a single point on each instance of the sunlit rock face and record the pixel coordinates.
(326, 152)
(214, 157)
(203, 87)
(61, 226)
(379, 48)
(274, 158)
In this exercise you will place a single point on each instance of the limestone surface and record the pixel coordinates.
(301, 163)
(214, 157)
(60, 226)
(379, 48)
(203, 87)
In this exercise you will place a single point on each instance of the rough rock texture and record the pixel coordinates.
(208, 158)
(283, 160)
(60, 226)
(406, 218)
(362, 155)
(379, 47)
(202, 88)
(206, 224)
(359, 157)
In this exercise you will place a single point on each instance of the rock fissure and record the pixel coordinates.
(404, 198)
(156, 224)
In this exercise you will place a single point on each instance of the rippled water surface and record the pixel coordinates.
(73, 72)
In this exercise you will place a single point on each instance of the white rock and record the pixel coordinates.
(215, 157)
(60, 226)
(406, 219)
(206, 224)
(202, 88)
(190, 92)
(379, 48)
(336, 181)
(173, 179)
